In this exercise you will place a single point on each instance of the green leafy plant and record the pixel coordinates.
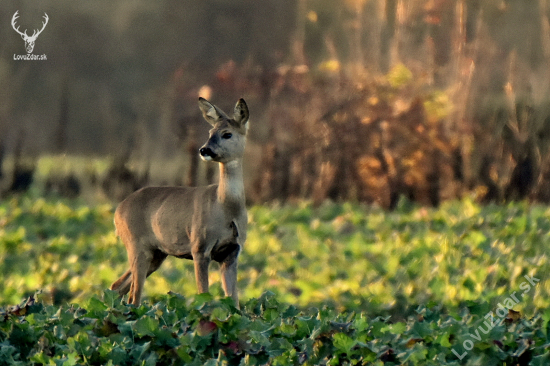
(348, 284)
(348, 256)
(205, 331)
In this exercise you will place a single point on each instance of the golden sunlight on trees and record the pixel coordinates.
(353, 99)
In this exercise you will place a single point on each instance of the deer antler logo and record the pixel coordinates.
(29, 40)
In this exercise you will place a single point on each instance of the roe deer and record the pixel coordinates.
(198, 223)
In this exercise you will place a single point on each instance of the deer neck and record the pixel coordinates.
(231, 186)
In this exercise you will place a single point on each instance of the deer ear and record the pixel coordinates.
(210, 112)
(240, 115)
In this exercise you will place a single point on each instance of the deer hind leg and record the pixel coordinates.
(140, 268)
(122, 285)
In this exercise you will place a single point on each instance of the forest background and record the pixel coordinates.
(357, 100)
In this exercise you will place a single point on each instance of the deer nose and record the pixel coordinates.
(207, 153)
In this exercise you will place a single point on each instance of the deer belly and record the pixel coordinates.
(174, 245)
(177, 250)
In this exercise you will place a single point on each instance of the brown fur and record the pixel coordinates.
(200, 223)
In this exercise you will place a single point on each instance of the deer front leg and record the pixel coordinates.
(201, 262)
(229, 275)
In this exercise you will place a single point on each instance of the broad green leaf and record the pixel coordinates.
(111, 298)
(139, 351)
(444, 340)
(343, 342)
(96, 306)
(200, 299)
(72, 359)
(146, 326)
(398, 328)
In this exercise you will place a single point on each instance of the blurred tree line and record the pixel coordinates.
(350, 99)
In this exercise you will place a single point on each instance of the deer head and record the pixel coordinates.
(29, 40)
(227, 137)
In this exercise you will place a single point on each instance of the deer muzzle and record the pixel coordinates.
(207, 154)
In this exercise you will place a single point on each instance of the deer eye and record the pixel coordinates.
(227, 135)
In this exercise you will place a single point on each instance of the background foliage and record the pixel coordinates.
(416, 98)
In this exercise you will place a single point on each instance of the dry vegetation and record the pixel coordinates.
(351, 100)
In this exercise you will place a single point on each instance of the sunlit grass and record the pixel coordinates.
(349, 256)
